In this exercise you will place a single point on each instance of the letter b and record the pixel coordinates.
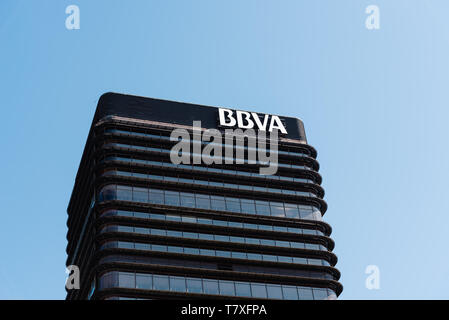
(226, 113)
(240, 120)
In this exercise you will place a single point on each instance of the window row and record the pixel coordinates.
(224, 159)
(207, 221)
(117, 279)
(209, 252)
(208, 183)
(302, 153)
(217, 237)
(196, 264)
(123, 298)
(209, 169)
(204, 201)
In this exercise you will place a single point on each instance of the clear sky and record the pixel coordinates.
(374, 102)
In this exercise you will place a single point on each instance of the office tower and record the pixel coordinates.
(143, 227)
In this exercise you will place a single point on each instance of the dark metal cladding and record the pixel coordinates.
(141, 227)
(174, 112)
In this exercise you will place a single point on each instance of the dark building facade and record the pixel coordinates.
(142, 227)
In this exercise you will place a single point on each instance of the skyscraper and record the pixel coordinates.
(143, 227)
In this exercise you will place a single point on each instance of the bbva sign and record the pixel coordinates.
(247, 120)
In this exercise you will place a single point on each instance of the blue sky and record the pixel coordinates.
(374, 103)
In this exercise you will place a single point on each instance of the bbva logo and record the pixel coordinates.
(247, 120)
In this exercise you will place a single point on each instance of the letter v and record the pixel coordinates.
(261, 126)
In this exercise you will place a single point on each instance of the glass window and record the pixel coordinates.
(141, 230)
(202, 202)
(142, 246)
(266, 227)
(172, 217)
(124, 193)
(158, 216)
(316, 215)
(141, 215)
(220, 223)
(204, 221)
(299, 260)
(277, 209)
(191, 250)
(248, 207)
(157, 232)
(258, 290)
(175, 249)
(237, 239)
(125, 229)
(218, 203)
(188, 219)
(274, 291)
(311, 246)
(172, 198)
(307, 214)
(269, 257)
(221, 238)
(305, 293)
(160, 282)
(232, 205)
(254, 256)
(267, 242)
(126, 280)
(319, 294)
(125, 245)
(187, 201)
(194, 285)
(210, 286)
(205, 236)
(239, 255)
(252, 241)
(280, 229)
(226, 254)
(177, 284)
(285, 259)
(227, 288)
(297, 245)
(291, 211)
(190, 235)
(174, 233)
(156, 247)
(290, 293)
(242, 289)
(108, 280)
(140, 195)
(144, 282)
(262, 208)
(235, 224)
(156, 196)
(280, 243)
(207, 252)
(316, 262)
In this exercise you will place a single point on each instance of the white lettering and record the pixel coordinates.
(247, 120)
(278, 125)
(223, 116)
